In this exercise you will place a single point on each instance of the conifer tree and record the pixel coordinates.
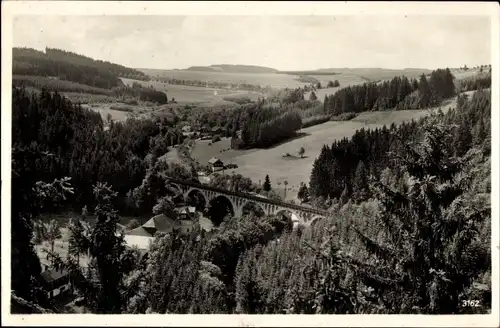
(430, 227)
(30, 198)
(424, 92)
(267, 184)
(303, 193)
(360, 183)
(344, 197)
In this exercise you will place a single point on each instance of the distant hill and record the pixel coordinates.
(368, 74)
(69, 66)
(380, 73)
(223, 68)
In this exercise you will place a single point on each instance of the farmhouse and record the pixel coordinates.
(55, 282)
(214, 162)
(186, 213)
(142, 237)
(159, 223)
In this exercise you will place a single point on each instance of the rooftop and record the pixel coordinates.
(160, 222)
(53, 274)
(139, 231)
(186, 210)
(214, 160)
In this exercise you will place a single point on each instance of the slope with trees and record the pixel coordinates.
(70, 66)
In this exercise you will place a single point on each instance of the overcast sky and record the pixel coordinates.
(281, 42)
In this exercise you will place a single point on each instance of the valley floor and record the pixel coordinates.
(257, 163)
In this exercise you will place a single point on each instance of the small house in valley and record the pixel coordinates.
(55, 282)
(215, 163)
(186, 213)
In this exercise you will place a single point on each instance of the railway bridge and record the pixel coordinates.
(300, 214)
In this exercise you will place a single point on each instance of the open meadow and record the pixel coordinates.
(257, 163)
(185, 94)
(264, 79)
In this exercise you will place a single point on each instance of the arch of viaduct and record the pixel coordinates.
(303, 215)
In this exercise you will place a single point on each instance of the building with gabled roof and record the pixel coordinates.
(214, 162)
(55, 282)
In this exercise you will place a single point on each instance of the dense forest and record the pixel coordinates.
(70, 66)
(82, 149)
(342, 169)
(120, 93)
(398, 93)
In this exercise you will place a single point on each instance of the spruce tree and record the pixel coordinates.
(344, 197)
(267, 184)
(303, 193)
(29, 199)
(424, 92)
(360, 183)
(430, 227)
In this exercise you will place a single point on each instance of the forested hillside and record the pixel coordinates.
(341, 170)
(81, 148)
(402, 93)
(70, 66)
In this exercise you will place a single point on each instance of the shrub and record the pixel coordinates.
(132, 224)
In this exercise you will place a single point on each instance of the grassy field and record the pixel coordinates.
(257, 163)
(117, 115)
(345, 77)
(280, 80)
(263, 79)
(185, 94)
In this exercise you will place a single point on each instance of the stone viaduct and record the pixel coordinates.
(300, 214)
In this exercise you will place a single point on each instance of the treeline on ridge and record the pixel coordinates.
(341, 170)
(122, 92)
(213, 84)
(70, 66)
(398, 93)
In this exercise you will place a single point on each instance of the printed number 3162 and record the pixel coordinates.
(470, 303)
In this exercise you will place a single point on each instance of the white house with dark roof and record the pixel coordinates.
(55, 282)
(186, 213)
(214, 163)
(142, 237)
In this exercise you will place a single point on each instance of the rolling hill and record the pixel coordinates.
(224, 68)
